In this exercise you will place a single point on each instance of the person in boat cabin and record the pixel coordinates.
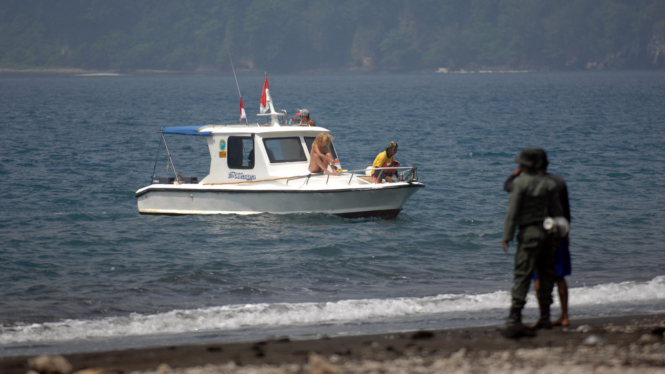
(385, 159)
(304, 119)
(320, 157)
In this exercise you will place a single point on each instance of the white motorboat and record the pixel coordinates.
(264, 168)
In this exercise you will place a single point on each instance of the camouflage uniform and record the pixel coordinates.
(532, 196)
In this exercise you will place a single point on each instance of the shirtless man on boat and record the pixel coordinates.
(320, 157)
(304, 119)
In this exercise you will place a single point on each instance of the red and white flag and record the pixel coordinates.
(242, 111)
(265, 97)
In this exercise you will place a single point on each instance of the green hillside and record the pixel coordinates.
(332, 35)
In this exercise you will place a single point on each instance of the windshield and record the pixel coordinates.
(284, 150)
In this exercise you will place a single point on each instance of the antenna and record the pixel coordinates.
(237, 85)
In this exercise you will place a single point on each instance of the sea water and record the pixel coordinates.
(81, 270)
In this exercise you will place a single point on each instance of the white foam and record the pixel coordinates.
(284, 314)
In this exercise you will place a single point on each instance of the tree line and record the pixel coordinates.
(332, 35)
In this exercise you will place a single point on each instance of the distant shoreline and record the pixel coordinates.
(81, 72)
(91, 73)
(632, 344)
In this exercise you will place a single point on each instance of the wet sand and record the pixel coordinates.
(603, 345)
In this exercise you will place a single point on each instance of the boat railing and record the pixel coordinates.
(409, 174)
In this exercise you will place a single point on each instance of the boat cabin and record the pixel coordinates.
(253, 152)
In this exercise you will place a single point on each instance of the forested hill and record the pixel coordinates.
(332, 35)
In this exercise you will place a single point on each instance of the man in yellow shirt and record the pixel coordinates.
(385, 159)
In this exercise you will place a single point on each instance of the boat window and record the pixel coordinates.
(240, 152)
(284, 149)
(310, 140)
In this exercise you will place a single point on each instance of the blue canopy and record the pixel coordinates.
(185, 130)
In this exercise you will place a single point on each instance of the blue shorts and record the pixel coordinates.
(562, 264)
(376, 174)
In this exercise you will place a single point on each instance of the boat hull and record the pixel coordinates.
(384, 201)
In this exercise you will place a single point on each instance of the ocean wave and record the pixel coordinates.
(233, 317)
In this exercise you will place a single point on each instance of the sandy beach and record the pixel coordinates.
(603, 345)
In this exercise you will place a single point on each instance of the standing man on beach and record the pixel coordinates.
(562, 262)
(531, 197)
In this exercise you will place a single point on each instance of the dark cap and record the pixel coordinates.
(392, 144)
(541, 159)
(528, 157)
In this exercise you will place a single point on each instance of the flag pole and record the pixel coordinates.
(237, 85)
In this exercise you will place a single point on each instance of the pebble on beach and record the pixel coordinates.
(319, 365)
(50, 365)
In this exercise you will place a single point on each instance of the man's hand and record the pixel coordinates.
(517, 171)
(504, 246)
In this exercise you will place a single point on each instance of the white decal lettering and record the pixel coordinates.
(247, 177)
